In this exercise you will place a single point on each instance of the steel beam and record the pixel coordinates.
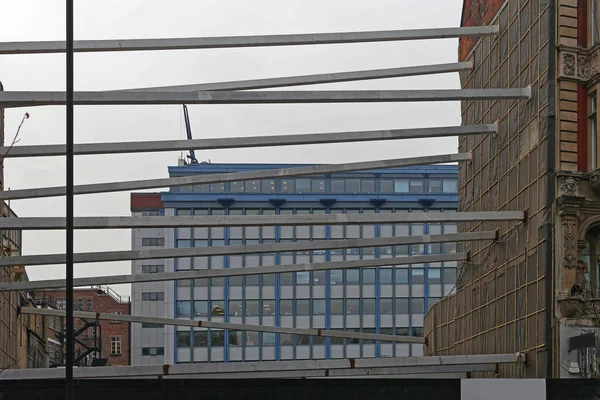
(232, 177)
(227, 272)
(316, 79)
(28, 99)
(42, 223)
(146, 254)
(223, 325)
(223, 42)
(247, 142)
(415, 363)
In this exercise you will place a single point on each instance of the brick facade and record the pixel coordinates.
(102, 301)
(476, 13)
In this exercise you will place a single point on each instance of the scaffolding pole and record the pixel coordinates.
(223, 325)
(39, 98)
(42, 223)
(247, 142)
(232, 177)
(41, 47)
(228, 272)
(128, 255)
(316, 79)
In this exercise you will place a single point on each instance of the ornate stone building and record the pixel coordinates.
(537, 289)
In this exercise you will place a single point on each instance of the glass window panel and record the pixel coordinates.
(288, 186)
(435, 229)
(367, 186)
(432, 301)
(200, 308)
(418, 305)
(236, 211)
(201, 211)
(337, 186)
(435, 186)
(318, 185)
(449, 276)
(385, 276)
(236, 280)
(401, 276)
(385, 251)
(235, 308)
(368, 276)
(386, 186)
(417, 332)
(217, 281)
(434, 275)
(286, 278)
(200, 338)
(401, 186)
(416, 185)
(252, 280)
(302, 340)
(352, 277)
(252, 186)
(268, 280)
(201, 243)
(268, 307)
(368, 306)
(402, 305)
(449, 247)
(302, 278)
(217, 187)
(216, 308)
(337, 306)
(318, 340)
(303, 185)
(368, 330)
(368, 251)
(450, 186)
(318, 307)
(286, 307)
(417, 249)
(202, 188)
(336, 277)
(252, 308)
(417, 275)
(368, 231)
(352, 306)
(335, 340)
(215, 211)
(302, 307)
(184, 283)
(252, 339)
(235, 338)
(319, 277)
(217, 338)
(268, 186)
(285, 339)
(402, 331)
(236, 187)
(268, 339)
(450, 228)
(183, 308)
(385, 305)
(184, 243)
(352, 185)
(435, 248)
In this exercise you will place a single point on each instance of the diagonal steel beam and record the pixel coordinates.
(227, 272)
(246, 142)
(222, 42)
(223, 325)
(232, 177)
(147, 254)
(336, 77)
(21, 99)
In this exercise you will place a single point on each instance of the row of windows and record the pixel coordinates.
(289, 211)
(328, 185)
(267, 307)
(252, 339)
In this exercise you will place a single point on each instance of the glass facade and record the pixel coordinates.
(386, 300)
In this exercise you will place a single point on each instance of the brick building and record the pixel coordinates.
(536, 290)
(102, 339)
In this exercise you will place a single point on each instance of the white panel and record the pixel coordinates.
(337, 351)
(252, 353)
(402, 349)
(337, 291)
(402, 291)
(502, 389)
(268, 321)
(435, 290)
(184, 355)
(253, 320)
(353, 321)
(353, 351)
(387, 290)
(401, 320)
(235, 353)
(337, 321)
(268, 353)
(352, 291)
(368, 350)
(368, 321)
(287, 321)
(448, 289)
(236, 320)
(418, 290)
(387, 321)
(287, 292)
(318, 352)
(318, 321)
(303, 292)
(252, 292)
(368, 291)
(235, 292)
(417, 350)
(216, 292)
(216, 354)
(319, 292)
(200, 354)
(417, 320)
(268, 292)
(184, 293)
(302, 352)
(387, 349)
(201, 293)
(303, 321)
(287, 352)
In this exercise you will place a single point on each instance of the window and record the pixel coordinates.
(61, 304)
(337, 185)
(352, 277)
(386, 186)
(385, 276)
(217, 338)
(319, 277)
(352, 307)
(184, 308)
(235, 308)
(252, 308)
(237, 187)
(401, 186)
(337, 306)
(368, 276)
(217, 308)
(268, 339)
(153, 241)
(336, 277)
(385, 306)
(593, 122)
(435, 186)
(434, 275)
(450, 186)
(80, 304)
(153, 296)
(146, 325)
(318, 306)
(303, 185)
(318, 185)
(287, 185)
(594, 23)
(416, 186)
(367, 186)
(368, 306)
(153, 351)
(401, 276)
(88, 304)
(417, 332)
(235, 338)
(115, 346)
(201, 308)
(352, 185)
(200, 338)
(449, 276)
(252, 339)
(183, 339)
(302, 307)
(286, 307)
(418, 305)
(402, 305)
(417, 275)
(152, 269)
(302, 278)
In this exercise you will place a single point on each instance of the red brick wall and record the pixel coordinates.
(104, 303)
(476, 13)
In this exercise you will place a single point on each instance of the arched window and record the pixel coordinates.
(589, 260)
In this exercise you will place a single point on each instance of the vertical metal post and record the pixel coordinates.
(70, 199)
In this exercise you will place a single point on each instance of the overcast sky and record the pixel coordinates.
(33, 20)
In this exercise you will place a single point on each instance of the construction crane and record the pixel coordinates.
(188, 129)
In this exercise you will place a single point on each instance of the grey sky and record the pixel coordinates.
(117, 19)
